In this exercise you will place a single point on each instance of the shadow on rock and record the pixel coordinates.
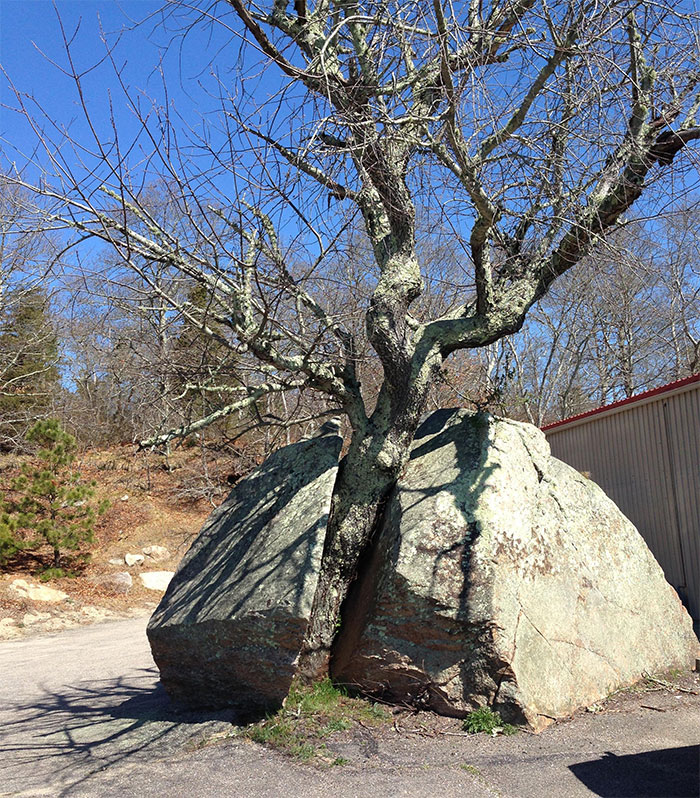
(671, 772)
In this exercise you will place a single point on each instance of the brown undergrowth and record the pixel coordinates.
(152, 502)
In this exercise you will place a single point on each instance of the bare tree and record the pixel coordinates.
(626, 320)
(680, 274)
(525, 130)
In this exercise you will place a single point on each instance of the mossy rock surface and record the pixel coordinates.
(229, 628)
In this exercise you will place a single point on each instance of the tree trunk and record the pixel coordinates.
(378, 451)
(366, 476)
(361, 490)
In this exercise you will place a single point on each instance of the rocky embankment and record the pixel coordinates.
(129, 586)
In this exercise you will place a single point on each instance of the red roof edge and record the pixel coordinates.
(671, 386)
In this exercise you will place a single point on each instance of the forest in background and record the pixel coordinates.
(104, 351)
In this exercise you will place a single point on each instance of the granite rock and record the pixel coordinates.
(156, 580)
(503, 577)
(24, 589)
(156, 553)
(230, 626)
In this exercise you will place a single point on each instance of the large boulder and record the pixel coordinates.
(504, 577)
(229, 628)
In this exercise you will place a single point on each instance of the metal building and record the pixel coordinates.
(645, 454)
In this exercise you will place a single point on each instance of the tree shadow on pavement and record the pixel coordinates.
(669, 773)
(61, 738)
(155, 705)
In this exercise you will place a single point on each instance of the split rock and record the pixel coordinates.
(231, 624)
(503, 577)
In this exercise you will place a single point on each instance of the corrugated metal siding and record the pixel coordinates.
(646, 457)
(682, 415)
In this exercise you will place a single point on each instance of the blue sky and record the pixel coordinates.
(31, 39)
(30, 36)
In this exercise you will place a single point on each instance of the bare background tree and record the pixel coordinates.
(513, 136)
(625, 321)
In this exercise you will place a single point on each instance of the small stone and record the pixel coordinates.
(57, 624)
(119, 582)
(94, 613)
(133, 559)
(124, 498)
(31, 618)
(117, 561)
(9, 629)
(156, 553)
(25, 589)
(157, 580)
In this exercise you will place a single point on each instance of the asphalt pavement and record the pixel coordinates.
(82, 714)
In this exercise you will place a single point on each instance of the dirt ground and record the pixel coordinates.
(149, 505)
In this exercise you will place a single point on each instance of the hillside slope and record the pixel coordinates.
(155, 512)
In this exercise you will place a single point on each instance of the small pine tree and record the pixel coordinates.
(54, 506)
(10, 541)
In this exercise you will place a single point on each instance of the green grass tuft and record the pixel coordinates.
(310, 715)
(320, 697)
(471, 769)
(487, 721)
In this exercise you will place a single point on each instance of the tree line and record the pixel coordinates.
(107, 355)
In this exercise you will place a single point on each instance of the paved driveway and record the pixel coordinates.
(82, 714)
